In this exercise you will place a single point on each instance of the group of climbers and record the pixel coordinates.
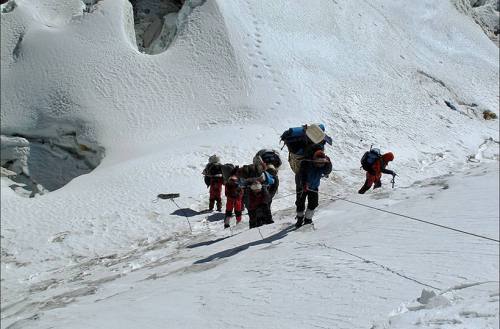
(253, 186)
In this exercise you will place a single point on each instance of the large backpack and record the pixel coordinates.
(269, 156)
(250, 172)
(295, 138)
(369, 158)
(211, 170)
(227, 171)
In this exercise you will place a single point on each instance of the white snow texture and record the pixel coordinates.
(411, 77)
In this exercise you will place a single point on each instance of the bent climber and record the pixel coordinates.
(258, 206)
(375, 169)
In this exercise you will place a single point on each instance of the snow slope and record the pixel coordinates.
(237, 75)
(359, 268)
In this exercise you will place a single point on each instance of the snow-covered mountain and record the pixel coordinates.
(99, 114)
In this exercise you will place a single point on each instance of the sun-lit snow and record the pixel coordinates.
(410, 77)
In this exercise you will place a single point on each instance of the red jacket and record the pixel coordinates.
(256, 199)
(233, 190)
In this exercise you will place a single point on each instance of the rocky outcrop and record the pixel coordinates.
(155, 23)
(7, 6)
(485, 13)
(37, 164)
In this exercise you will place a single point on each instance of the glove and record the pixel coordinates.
(305, 188)
(394, 174)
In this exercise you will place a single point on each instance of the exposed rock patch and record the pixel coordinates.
(485, 13)
(7, 6)
(488, 115)
(155, 23)
(40, 163)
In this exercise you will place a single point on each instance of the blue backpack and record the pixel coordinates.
(369, 158)
(296, 141)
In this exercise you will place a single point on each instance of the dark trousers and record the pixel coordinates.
(310, 196)
(260, 216)
(371, 180)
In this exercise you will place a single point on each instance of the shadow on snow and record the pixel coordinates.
(233, 251)
(216, 217)
(188, 212)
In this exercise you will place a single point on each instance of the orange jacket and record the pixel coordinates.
(379, 165)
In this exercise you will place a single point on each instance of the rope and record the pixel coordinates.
(412, 218)
(379, 265)
(284, 196)
(183, 212)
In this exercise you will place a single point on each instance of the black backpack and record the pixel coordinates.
(250, 172)
(212, 170)
(269, 156)
(369, 158)
(228, 169)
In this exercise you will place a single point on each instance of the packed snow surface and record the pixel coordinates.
(410, 77)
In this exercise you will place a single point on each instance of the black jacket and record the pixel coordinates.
(212, 171)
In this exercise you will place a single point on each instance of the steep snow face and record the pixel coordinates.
(58, 148)
(125, 97)
(370, 73)
(81, 92)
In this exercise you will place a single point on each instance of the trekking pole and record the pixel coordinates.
(393, 180)
(171, 197)
(183, 212)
